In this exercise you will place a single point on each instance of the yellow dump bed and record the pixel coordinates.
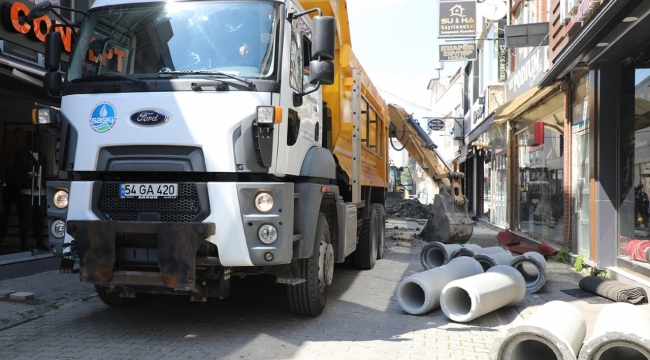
(374, 111)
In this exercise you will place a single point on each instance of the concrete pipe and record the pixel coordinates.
(472, 250)
(532, 266)
(622, 331)
(420, 293)
(499, 258)
(466, 299)
(436, 254)
(555, 331)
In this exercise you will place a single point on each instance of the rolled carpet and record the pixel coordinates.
(613, 289)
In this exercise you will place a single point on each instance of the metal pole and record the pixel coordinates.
(40, 174)
(32, 192)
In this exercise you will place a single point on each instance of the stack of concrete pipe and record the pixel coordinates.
(436, 254)
(466, 299)
(532, 266)
(420, 293)
(555, 331)
(622, 331)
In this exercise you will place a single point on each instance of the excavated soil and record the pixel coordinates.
(409, 209)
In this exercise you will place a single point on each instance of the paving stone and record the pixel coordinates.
(21, 295)
(5, 293)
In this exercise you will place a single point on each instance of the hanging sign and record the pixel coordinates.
(457, 52)
(457, 19)
(436, 124)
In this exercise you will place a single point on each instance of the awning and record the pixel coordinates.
(522, 103)
(483, 127)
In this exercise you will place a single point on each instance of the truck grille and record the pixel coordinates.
(184, 208)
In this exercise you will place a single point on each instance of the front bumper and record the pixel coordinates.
(177, 246)
(230, 207)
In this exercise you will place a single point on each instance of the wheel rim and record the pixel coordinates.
(325, 265)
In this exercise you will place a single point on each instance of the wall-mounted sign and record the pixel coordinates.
(457, 52)
(436, 124)
(502, 60)
(528, 74)
(457, 19)
(15, 27)
(582, 12)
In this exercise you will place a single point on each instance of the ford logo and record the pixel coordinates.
(149, 117)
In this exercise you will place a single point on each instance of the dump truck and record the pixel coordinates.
(200, 140)
(449, 221)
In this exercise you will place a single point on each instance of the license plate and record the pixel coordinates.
(148, 191)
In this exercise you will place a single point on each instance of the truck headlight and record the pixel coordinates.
(269, 115)
(58, 228)
(61, 199)
(268, 234)
(264, 202)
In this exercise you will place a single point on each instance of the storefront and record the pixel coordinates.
(606, 57)
(22, 221)
(493, 153)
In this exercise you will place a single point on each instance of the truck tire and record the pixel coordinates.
(381, 231)
(310, 297)
(113, 299)
(365, 256)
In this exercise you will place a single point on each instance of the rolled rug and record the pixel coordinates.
(613, 289)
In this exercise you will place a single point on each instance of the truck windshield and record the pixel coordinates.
(141, 40)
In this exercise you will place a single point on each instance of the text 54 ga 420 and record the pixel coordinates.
(148, 191)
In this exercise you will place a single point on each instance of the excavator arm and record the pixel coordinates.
(450, 221)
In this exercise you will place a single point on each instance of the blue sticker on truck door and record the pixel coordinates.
(103, 117)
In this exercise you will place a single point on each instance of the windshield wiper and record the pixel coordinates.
(250, 84)
(114, 75)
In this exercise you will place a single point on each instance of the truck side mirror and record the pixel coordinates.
(52, 83)
(53, 49)
(324, 30)
(321, 72)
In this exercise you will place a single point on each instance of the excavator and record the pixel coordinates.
(449, 221)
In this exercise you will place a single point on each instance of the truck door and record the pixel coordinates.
(302, 129)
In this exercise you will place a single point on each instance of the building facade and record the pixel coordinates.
(21, 90)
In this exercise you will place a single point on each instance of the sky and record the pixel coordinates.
(396, 42)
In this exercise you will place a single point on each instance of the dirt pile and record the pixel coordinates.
(409, 208)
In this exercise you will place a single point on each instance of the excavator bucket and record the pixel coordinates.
(449, 221)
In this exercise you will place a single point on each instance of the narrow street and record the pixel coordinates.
(363, 320)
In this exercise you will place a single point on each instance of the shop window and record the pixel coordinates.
(634, 171)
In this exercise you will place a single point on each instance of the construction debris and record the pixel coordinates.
(409, 209)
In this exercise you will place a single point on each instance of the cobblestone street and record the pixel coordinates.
(363, 320)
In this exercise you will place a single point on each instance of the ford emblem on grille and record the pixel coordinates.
(149, 117)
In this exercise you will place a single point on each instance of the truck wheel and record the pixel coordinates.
(310, 297)
(365, 256)
(114, 299)
(381, 231)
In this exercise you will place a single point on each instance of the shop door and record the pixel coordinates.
(500, 191)
(18, 139)
(581, 208)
